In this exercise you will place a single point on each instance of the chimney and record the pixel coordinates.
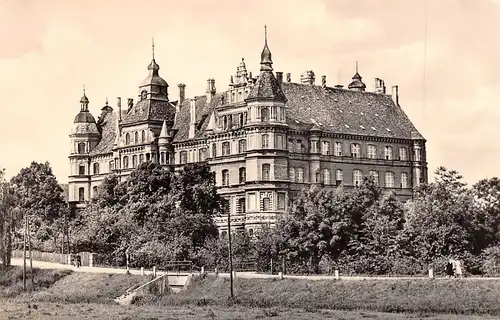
(130, 103)
(119, 105)
(395, 95)
(279, 77)
(323, 81)
(192, 118)
(307, 77)
(182, 93)
(288, 77)
(379, 86)
(210, 89)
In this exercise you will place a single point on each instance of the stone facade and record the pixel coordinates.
(265, 139)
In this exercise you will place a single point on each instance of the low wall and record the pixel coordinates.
(63, 258)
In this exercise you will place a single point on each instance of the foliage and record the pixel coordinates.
(156, 214)
(491, 261)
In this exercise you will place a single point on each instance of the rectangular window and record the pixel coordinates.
(357, 177)
(371, 151)
(326, 176)
(226, 149)
(81, 170)
(251, 201)
(243, 175)
(300, 146)
(404, 180)
(281, 201)
(374, 175)
(355, 150)
(403, 154)
(300, 175)
(388, 153)
(325, 148)
(291, 146)
(338, 149)
(214, 150)
(266, 172)
(292, 175)
(184, 157)
(339, 177)
(225, 177)
(265, 141)
(389, 179)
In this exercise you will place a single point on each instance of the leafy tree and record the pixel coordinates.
(37, 194)
(487, 218)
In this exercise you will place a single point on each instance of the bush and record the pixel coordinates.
(491, 261)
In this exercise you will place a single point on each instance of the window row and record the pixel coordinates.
(231, 121)
(355, 150)
(257, 201)
(242, 176)
(266, 114)
(139, 137)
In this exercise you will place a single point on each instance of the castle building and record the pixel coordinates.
(265, 137)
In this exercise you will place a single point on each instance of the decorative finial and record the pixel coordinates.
(106, 101)
(265, 34)
(356, 66)
(84, 89)
(153, 47)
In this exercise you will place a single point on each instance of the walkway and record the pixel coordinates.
(244, 275)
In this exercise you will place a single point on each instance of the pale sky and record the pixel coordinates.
(50, 48)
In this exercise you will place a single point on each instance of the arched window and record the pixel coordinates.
(184, 157)
(127, 138)
(96, 168)
(371, 151)
(404, 180)
(225, 177)
(266, 204)
(141, 158)
(111, 166)
(242, 146)
(125, 162)
(318, 176)
(266, 172)
(326, 176)
(94, 191)
(143, 136)
(214, 150)
(389, 179)
(134, 161)
(242, 205)
(374, 176)
(202, 154)
(264, 114)
(81, 194)
(243, 175)
(224, 123)
(136, 137)
(388, 153)
(265, 141)
(81, 147)
(357, 177)
(226, 148)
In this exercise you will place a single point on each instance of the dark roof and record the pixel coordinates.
(328, 109)
(152, 110)
(108, 134)
(84, 117)
(266, 88)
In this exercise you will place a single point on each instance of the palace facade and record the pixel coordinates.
(265, 138)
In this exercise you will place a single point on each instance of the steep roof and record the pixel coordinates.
(328, 109)
(266, 88)
(151, 110)
(108, 134)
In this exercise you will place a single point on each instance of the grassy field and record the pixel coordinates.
(450, 296)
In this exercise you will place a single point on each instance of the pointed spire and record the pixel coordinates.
(153, 66)
(356, 75)
(265, 57)
(164, 132)
(106, 101)
(357, 83)
(84, 101)
(153, 47)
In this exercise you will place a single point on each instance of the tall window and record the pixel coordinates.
(326, 176)
(214, 150)
(355, 150)
(202, 154)
(81, 147)
(265, 141)
(225, 177)
(279, 141)
(300, 175)
(374, 175)
(81, 194)
(81, 170)
(404, 180)
(281, 201)
(134, 161)
(111, 166)
(143, 136)
(371, 151)
(338, 149)
(141, 158)
(264, 114)
(292, 175)
(136, 137)
(291, 146)
(339, 177)
(94, 191)
(325, 148)
(243, 175)
(241, 205)
(266, 204)
(184, 157)
(403, 154)
(96, 168)
(388, 153)
(226, 148)
(389, 179)
(266, 172)
(357, 177)
(127, 138)
(162, 157)
(125, 162)
(242, 146)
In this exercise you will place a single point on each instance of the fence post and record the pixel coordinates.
(216, 272)
(91, 260)
(234, 274)
(280, 275)
(69, 258)
(271, 265)
(202, 270)
(142, 271)
(431, 273)
(337, 277)
(154, 271)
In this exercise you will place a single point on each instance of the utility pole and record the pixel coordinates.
(230, 249)
(24, 252)
(29, 251)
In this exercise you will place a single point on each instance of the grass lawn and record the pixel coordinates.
(53, 311)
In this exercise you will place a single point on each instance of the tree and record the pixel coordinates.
(37, 194)
(487, 219)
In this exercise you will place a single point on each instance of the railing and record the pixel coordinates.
(178, 266)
